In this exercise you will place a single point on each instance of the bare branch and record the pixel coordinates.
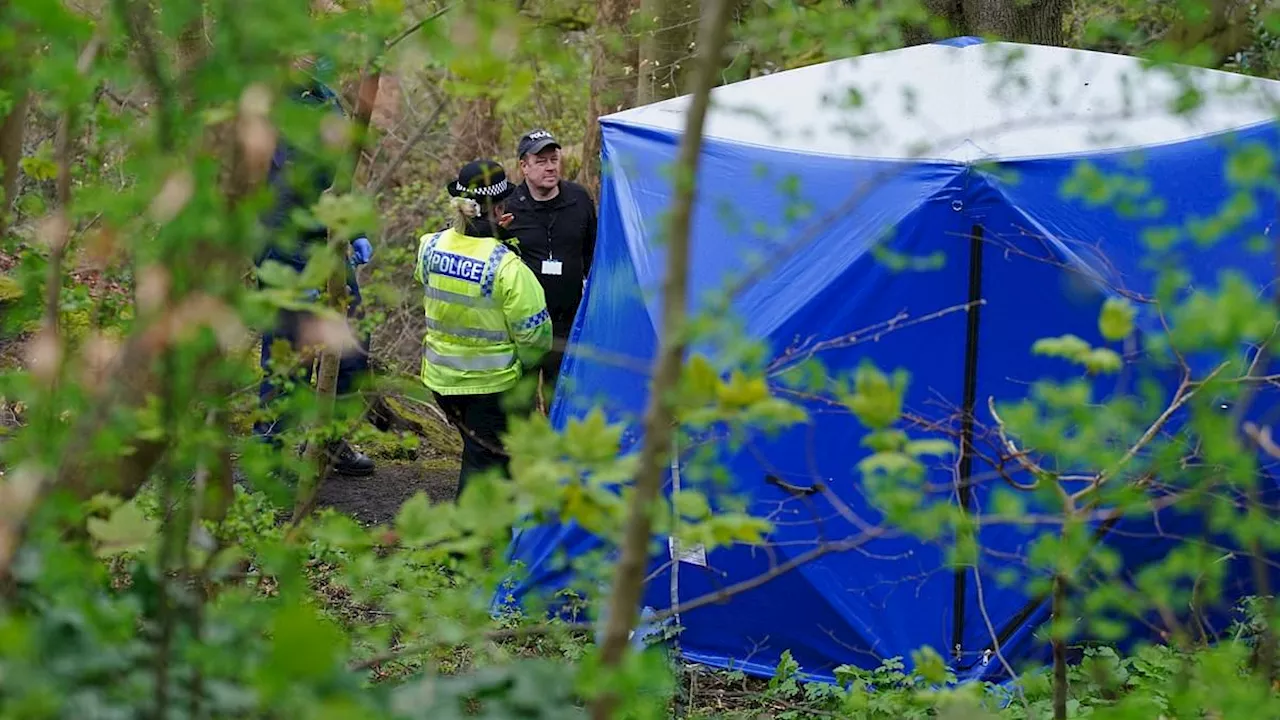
(425, 129)
(59, 228)
(416, 27)
(1022, 457)
(1186, 390)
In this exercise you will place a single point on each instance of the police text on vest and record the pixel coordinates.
(457, 266)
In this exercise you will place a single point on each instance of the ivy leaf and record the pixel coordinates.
(1116, 319)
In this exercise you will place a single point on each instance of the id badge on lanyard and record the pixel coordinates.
(551, 266)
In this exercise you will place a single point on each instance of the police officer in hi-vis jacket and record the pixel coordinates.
(487, 320)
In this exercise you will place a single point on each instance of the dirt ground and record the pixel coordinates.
(376, 499)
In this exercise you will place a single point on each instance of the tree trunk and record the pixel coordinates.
(659, 418)
(948, 12)
(12, 131)
(1060, 686)
(12, 125)
(613, 53)
(1041, 22)
(1038, 21)
(476, 131)
(666, 46)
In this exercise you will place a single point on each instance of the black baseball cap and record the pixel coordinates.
(535, 141)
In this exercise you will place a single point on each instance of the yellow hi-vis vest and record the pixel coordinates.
(486, 314)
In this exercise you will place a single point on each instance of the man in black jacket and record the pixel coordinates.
(298, 179)
(555, 224)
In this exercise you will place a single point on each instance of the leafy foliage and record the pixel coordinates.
(147, 568)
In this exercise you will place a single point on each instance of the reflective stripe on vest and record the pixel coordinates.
(427, 248)
(479, 334)
(470, 362)
(471, 302)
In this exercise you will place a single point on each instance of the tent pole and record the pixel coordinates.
(965, 470)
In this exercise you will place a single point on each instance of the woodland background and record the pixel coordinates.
(160, 598)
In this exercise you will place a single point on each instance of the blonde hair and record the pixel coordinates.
(464, 209)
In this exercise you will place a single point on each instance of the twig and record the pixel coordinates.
(1186, 390)
(416, 27)
(1261, 436)
(870, 333)
(149, 59)
(659, 415)
(376, 186)
(60, 231)
(1022, 457)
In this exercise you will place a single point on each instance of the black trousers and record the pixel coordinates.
(353, 366)
(481, 420)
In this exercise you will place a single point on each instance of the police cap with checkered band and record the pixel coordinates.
(481, 180)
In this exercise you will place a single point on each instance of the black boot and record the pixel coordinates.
(349, 461)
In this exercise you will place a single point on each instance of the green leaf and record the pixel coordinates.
(741, 391)
(592, 439)
(277, 275)
(304, 646)
(936, 447)
(1068, 347)
(700, 381)
(1116, 319)
(691, 504)
(891, 464)
(320, 266)
(889, 440)
(877, 400)
(346, 215)
(929, 665)
(127, 529)
(1103, 360)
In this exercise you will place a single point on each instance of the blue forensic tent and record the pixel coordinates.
(962, 150)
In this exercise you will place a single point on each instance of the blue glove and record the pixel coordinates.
(363, 251)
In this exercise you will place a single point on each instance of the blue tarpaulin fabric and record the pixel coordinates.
(938, 154)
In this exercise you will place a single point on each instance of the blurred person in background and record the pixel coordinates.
(297, 179)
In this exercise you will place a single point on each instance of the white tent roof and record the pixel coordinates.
(993, 101)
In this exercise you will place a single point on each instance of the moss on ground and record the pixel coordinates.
(10, 289)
